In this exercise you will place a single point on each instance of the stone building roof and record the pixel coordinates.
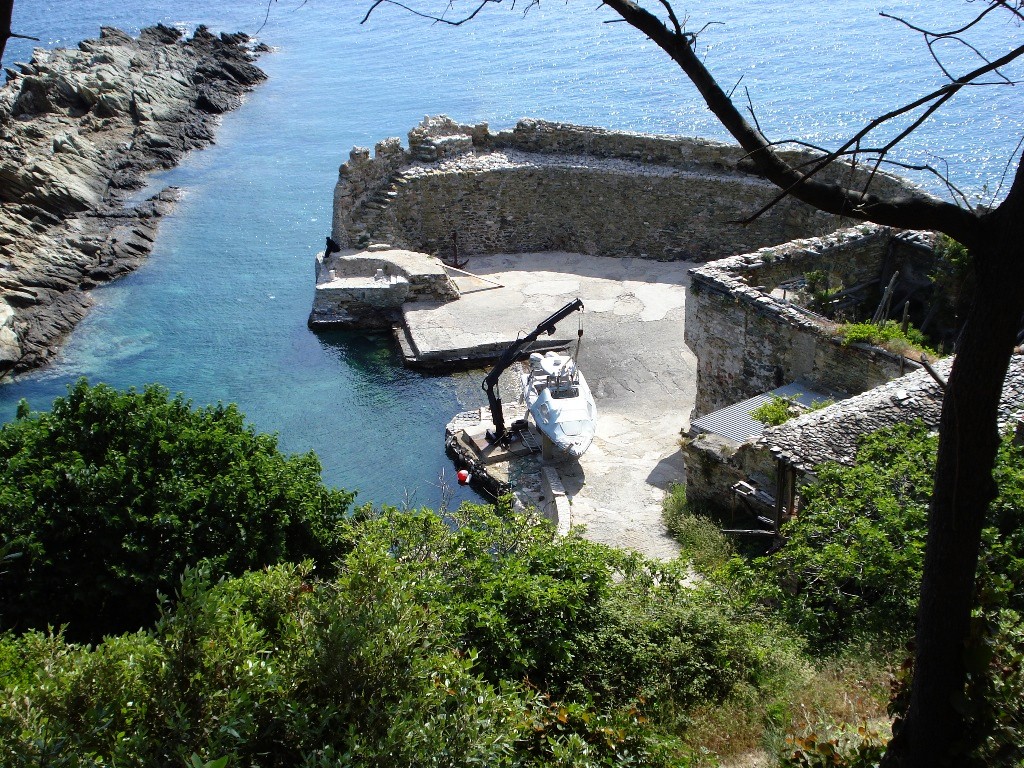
(831, 433)
(735, 421)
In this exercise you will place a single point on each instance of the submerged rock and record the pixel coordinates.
(79, 131)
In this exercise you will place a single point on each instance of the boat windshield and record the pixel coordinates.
(564, 390)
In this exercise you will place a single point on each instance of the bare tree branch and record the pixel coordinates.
(1006, 171)
(733, 89)
(931, 38)
(266, 17)
(801, 181)
(441, 19)
(829, 197)
(928, 33)
(750, 109)
(672, 16)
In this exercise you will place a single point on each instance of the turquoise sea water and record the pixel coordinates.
(219, 310)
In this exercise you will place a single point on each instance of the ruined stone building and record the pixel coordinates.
(753, 342)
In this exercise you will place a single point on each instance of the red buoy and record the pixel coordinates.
(463, 475)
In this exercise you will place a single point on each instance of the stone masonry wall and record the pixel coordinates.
(367, 289)
(850, 259)
(546, 186)
(748, 342)
(516, 204)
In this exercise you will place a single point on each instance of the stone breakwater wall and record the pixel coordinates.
(748, 341)
(549, 186)
(366, 289)
(79, 131)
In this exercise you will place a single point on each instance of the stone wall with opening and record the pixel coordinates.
(749, 337)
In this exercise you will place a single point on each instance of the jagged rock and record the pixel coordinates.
(215, 101)
(79, 130)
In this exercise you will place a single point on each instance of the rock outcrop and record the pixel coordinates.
(79, 132)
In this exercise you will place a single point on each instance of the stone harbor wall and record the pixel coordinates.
(748, 341)
(463, 189)
(546, 186)
(79, 131)
(366, 289)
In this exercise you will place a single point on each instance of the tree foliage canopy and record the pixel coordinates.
(481, 639)
(111, 495)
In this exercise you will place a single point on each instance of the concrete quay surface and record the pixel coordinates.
(641, 373)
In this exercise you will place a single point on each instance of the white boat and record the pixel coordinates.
(560, 401)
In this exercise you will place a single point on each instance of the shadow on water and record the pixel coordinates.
(396, 430)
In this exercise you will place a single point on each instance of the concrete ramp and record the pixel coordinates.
(632, 353)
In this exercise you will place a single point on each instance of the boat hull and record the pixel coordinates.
(561, 403)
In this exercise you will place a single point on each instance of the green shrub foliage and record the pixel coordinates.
(778, 410)
(853, 556)
(889, 334)
(774, 412)
(111, 495)
(851, 570)
(477, 639)
(575, 618)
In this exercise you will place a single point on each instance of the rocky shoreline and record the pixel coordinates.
(80, 129)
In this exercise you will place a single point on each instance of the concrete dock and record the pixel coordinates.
(640, 371)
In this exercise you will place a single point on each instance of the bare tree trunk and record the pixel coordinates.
(931, 734)
(6, 12)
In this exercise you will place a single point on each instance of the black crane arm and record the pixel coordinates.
(509, 356)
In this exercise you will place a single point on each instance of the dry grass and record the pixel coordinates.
(744, 733)
(844, 691)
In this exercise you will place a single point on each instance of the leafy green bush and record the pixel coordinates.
(994, 703)
(112, 494)
(580, 621)
(275, 670)
(889, 335)
(816, 280)
(774, 412)
(779, 410)
(849, 574)
(479, 638)
(853, 556)
(835, 746)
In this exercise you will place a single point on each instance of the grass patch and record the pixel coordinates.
(702, 541)
(828, 700)
(888, 335)
(837, 717)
